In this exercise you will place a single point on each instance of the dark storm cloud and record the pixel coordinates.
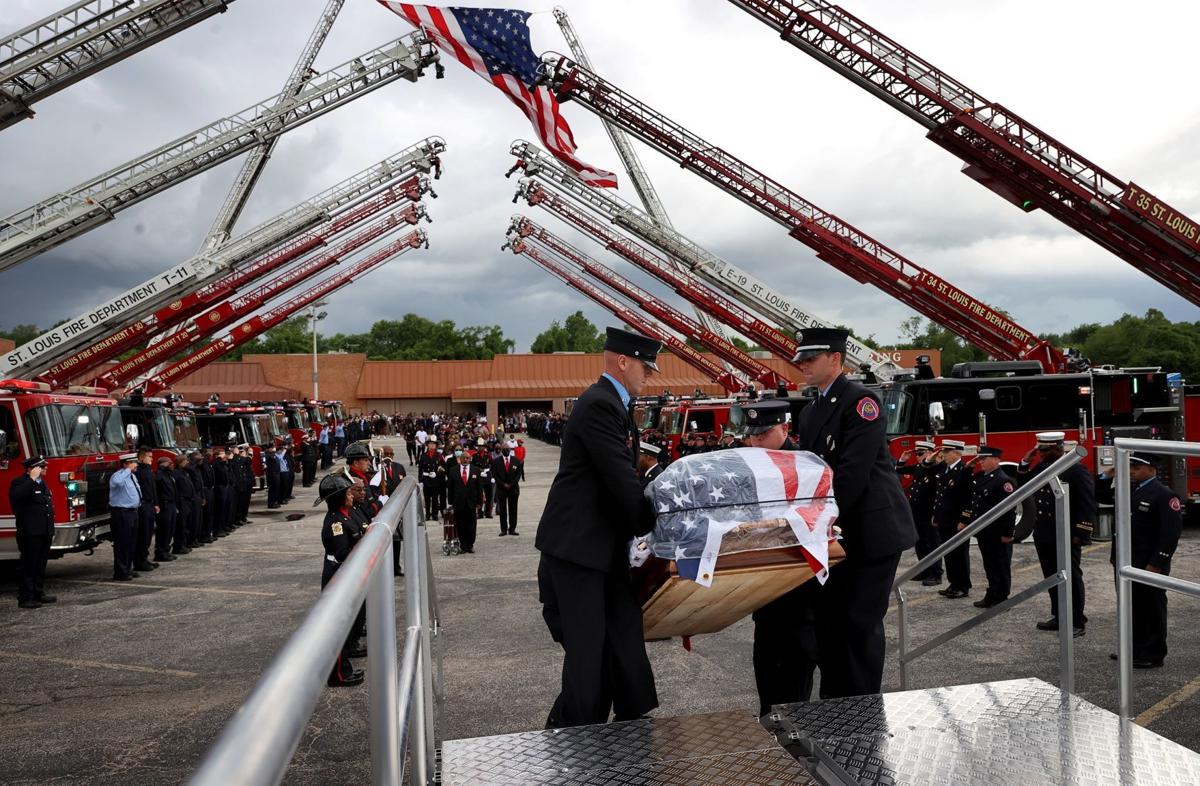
(703, 63)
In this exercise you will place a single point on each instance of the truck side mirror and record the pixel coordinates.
(132, 432)
(937, 416)
(5, 452)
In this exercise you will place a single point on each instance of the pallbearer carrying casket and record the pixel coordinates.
(594, 507)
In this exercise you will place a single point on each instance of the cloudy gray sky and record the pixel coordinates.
(1117, 85)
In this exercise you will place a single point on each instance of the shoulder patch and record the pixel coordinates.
(867, 408)
(337, 529)
(1008, 488)
(1174, 503)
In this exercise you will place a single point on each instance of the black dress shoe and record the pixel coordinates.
(931, 581)
(514, 532)
(502, 534)
(948, 590)
(145, 566)
(1147, 664)
(356, 677)
(44, 598)
(1050, 624)
(1078, 633)
(184, 550)
(28, 604)
(123, 578)
(986, 603)
(955, 594)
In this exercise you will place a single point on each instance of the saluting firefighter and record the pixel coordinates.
(990, 487)
(1082, 512)
(785, 630)
(393, 474)
(951, 509)
(845, 427)
(33, 507)
(1156, 521)
(595, 506)
(923, 472)
(340, 532)
(125, 504)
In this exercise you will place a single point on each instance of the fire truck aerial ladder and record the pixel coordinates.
(845, 247)
(629, 157)
(87, 205)
(724, 378)
(217, 317)
(734, 281)
(645, 301)
(256, 326)
(1002, 151)
(256, 159)
(82, 39)
(189, 305)
(85, 330)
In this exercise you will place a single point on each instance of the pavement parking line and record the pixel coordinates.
(1169, 703)
(132, 585)
(266, 551)
(99, 664)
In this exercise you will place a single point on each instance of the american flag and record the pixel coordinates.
(494, 43)
(700, 498)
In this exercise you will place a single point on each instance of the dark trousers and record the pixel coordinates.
(341, 446)
(327, 454)
(206, 514)
(35, 553)
(124, 538)
(1048, 556)
(1149, 608)
(997, 565)
(195, 514)
(785, 647)
(850, 634)
(506, 502)
(342, 667)
(287, 483)
(164, 530)
(220, 509)
(143, 533)
(928, 539)
(489, 496)
(465, 523)
(596, 618)
(310, 472)
(243, 508)
(958, 561)
(273, 483)
(183, 525)
(430, 493)
(411, 447)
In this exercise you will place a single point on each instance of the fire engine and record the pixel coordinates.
(81, 434)
(220, 424)
(165, 424)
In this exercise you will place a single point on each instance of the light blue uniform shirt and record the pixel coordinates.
(279, 458)
(123, 490)
(621, 391)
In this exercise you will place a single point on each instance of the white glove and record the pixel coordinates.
(383, 498)
(639, 552)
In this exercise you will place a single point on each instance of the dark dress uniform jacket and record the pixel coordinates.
(32, 506)
(951, 497)
(989, 490)
(595, 504)
(872, 510)
(1156, 521)
(1082, 505)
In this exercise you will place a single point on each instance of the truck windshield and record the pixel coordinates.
(251, 431)
(74, 429)
(184, 433)
(278, 424)
(897, 406)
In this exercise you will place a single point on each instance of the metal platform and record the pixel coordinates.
(1024, 732)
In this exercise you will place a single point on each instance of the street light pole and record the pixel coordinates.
(315, 317)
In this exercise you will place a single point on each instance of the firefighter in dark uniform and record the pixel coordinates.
(1049, 448)
(649, 467)
(393, 474)
(1156, 521)
(33, 508)
(991, 487)
(146, 513)
(187, 531)
(923, 472)
(845, 427)
(204, 466)
(339, 532)
(431, 471)
(785, 630)
(951, 509)
(308, 458)
(274, 477)
(286, 491)
(164, 531)
(221, 494)
(246, 456)
(595, 506)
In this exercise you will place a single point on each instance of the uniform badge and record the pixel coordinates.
(337, 529)
(867, 409)
(1008, 488)
(1174, 503)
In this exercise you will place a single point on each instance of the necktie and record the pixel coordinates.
(506, 465)
(464, 476)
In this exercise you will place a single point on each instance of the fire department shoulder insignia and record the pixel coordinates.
(867, 408)
(337, 529)
(1174, 503)
(1008, 488)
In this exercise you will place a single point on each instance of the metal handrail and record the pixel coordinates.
(1126, 573)
(1049, 476)
(259, 742)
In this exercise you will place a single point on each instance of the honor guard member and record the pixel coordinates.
(506, 473)
(951, 509)
(427, 469)
(125, 503)
(1156, 521)
(147, 512)
(340, 531)
(482, 461)
(164, 530)
(845, 427)
(923, 474)
(274, 476)
(785, 630)
(595, 506)
(1049, 448)
(991, 486)
(33, 508)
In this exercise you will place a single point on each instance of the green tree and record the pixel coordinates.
(917, 333)
(22, 334)
(1152, 340)
(575, 334)
(291, 337)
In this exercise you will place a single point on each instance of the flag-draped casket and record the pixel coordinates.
(734, 530)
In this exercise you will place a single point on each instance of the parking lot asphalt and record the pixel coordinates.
(130, 683)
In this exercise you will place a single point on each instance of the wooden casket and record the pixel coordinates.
(743, 582)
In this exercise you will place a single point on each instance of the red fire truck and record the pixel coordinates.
(81, 434)
(165, 424)
(220, 424)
